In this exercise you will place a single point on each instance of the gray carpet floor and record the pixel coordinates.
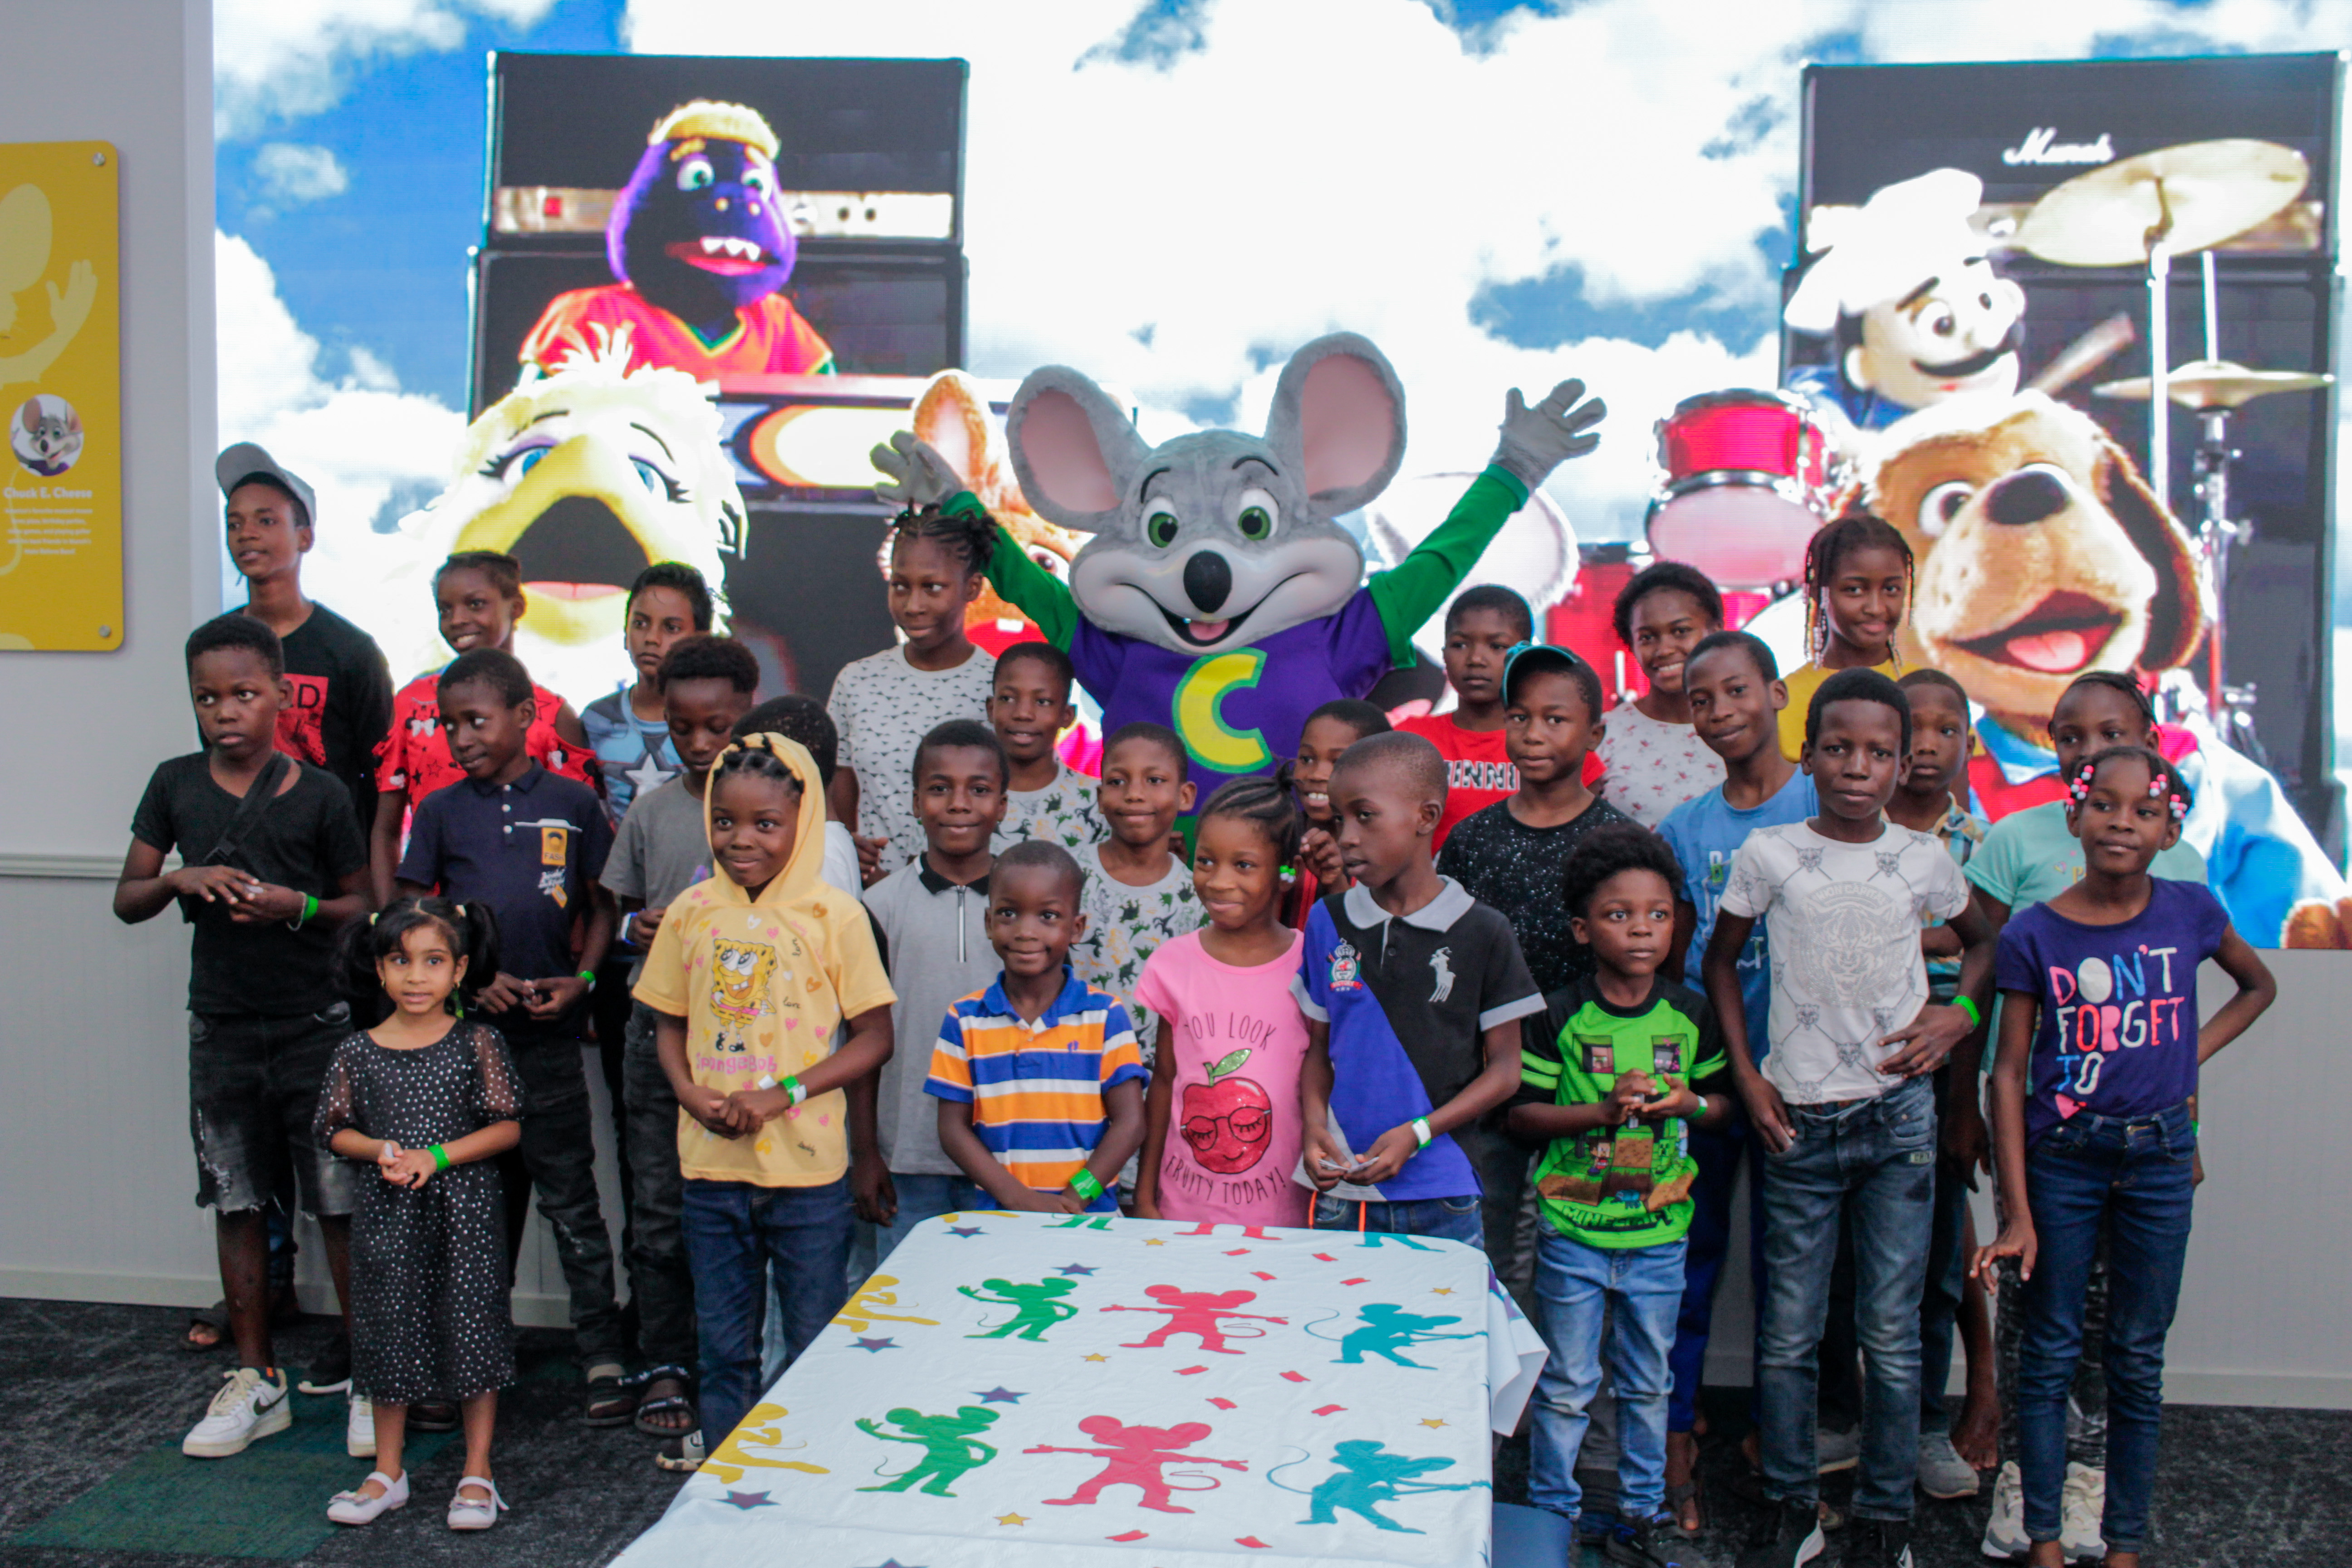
(102, 1395)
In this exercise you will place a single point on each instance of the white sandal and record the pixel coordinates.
(464, 1513)
(355, 1508)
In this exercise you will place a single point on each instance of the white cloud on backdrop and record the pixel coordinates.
(292, 172)
(1173, 203)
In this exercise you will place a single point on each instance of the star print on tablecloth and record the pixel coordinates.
(1011, 1519)
(1097, 1358)
(964, 1230)
(1076, 1269)
(877, 1345)
(1441, 1290)
(1000, 1394)
(1155, 1241)
(749, 1501)
(1433, 1422)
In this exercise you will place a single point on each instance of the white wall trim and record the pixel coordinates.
(62, 867)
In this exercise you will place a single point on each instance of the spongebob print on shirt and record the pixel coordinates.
(740, 972)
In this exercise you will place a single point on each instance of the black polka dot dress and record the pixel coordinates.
(429, 1311)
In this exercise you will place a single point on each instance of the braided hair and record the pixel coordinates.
(1831, 544)
(968, 537)
(2164, 780)
(1267, 804)
(754, 755)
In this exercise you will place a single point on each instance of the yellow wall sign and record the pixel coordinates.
(61, 394)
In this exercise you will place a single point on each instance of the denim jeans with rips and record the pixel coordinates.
(2135, 1178)
(1874, 1161)
(735, 1234)
(1640, 1290)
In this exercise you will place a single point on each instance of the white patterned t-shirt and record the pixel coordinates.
(1063, 813)
(1125, 925)
(1653, 766)
(882, 707)
(1843, 932)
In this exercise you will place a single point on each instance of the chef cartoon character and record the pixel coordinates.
(740, 972)
(1918, 316)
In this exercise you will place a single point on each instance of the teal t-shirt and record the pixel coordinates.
(2028, 857)
(1629, 1187)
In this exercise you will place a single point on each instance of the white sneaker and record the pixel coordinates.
(359, 1429)
(249, 1406)
(2005, 1533)
(2084, 1506)
(1943, 1474)
(355, 1508)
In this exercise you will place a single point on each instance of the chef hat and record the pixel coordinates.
(1905, 234)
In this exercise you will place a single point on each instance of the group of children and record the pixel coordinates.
(1530, 975)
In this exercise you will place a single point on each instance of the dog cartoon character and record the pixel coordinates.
(701, 252)
(2042, 553)
(27, 232)
(1918, 316)
(587, 476)
(46, 434)
(1217, 596)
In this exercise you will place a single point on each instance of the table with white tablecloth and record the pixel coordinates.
(1047, 1391)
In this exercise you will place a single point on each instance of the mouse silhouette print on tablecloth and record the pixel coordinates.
(1134, 1457)
(1198, 1313)
(1036, 1307)
(950, 1443)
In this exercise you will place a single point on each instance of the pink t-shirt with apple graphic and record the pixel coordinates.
(1235, 1048)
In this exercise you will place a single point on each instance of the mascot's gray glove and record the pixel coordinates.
(1538, 440)
(922, 477)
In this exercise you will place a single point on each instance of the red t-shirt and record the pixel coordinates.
(1478, 770)
(414, 752)
(770, 337)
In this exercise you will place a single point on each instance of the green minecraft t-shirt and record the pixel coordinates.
(1618, 1186)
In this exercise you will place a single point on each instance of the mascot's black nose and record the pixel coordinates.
(2027, 497)
(1207, 580)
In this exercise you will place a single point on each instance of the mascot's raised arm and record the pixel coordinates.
(1217, 596)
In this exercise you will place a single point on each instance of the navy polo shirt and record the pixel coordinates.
(531, 850)
(1408, 999)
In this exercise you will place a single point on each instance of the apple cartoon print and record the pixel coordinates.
(1228, 1119)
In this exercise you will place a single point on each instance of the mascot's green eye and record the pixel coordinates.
(695, 173)
(1255, 524)
(1160, 529)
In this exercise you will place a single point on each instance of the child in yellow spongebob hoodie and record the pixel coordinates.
(750, 975)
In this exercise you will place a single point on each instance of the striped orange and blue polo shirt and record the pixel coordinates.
(1036, 1089)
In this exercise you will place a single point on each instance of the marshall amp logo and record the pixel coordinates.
(2041, 146)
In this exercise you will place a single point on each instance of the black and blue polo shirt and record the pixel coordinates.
(1407, 999)
(532, 850)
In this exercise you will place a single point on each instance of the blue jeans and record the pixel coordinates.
(1874, 1161)
(1718, 1156)
(735, 1233)
(2136, 1176)
(1448, 1219)
(1640, 1289)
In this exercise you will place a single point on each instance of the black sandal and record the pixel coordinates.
(651, 1404)
(610, 1402)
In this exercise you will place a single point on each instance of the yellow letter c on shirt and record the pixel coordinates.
(1200, 716)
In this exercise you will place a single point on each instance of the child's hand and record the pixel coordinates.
(1387, 1156)
(871, 1192)
(1320, 854)
(1626, 1098)
(261, 901)
(1675, 1100)
(213, 884)
(716, 1112)
(646, 924)
(759, 1107)
(1146, 1208)
(503, 995)
(1325, 1165)
(870, 857)
(409, 1168)
(2016, 1240)
(551, 999)
(1031, 1201)
(1926, 1040)
(1768, 1113)
(386, 1155)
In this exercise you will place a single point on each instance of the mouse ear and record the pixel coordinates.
(1075, 453)
(1338, 419)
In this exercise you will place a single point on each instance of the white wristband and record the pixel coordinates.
(1421, 1130)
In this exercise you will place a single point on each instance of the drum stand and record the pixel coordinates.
(2231, 707)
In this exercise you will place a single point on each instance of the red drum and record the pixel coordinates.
(1746, 481)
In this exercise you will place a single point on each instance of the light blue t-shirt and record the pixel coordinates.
(636, 755)
(1706, 833)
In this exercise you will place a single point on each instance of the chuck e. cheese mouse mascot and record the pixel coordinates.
(1917, 314)
(1216, 595)
(2042, 554)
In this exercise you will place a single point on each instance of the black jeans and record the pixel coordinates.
(558, 1157)
(663, 1285)
(253, 1091)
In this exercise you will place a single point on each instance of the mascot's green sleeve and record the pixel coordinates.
(1233, 722)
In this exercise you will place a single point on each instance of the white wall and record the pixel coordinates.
(95, 1172)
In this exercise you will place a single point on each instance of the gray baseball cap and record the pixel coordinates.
(246, 460)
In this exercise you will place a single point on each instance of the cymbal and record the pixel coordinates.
(2216, 383)
(2209, 191)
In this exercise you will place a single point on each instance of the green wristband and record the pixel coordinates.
(793, 1086)
(1086, 1184)
(589, 975)
(440, 1157)
(1968, 1004)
